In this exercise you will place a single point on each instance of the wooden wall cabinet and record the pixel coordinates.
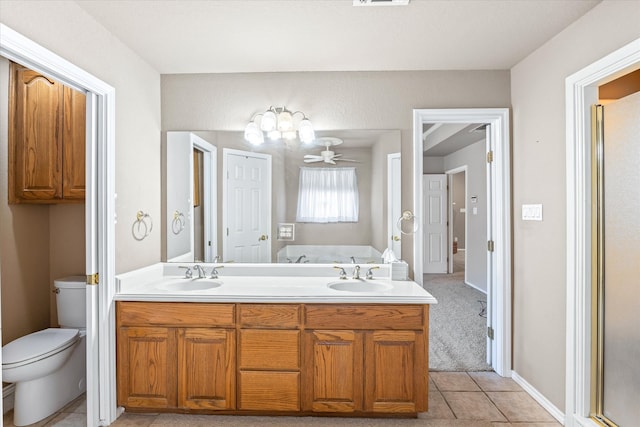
(47, 139)
(273, 358)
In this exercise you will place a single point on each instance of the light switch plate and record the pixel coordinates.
(532, 212)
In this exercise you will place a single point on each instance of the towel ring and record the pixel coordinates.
(142, 226)
(407, 216)
(178, 223)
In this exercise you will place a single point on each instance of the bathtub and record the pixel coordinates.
(328, 254)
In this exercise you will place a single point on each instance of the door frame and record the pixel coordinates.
(209, 196)
(450, 174)
(499, 221)
(391, 220)
(225, 182)
(581, 91)
(99, 213)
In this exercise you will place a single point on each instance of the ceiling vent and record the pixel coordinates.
(380, 2)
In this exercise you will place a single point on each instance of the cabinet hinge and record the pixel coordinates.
(490, 157)
(490, 246)
(490, 332)
(93, 279)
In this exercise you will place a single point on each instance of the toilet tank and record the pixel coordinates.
(71, 301)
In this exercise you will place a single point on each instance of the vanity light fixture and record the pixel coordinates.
(278, 123)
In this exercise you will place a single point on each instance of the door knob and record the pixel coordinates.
(263, 237)
(396, 238)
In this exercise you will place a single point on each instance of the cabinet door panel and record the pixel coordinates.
(269, 391)
(394, 378)
(74, 139)
(333, 371)
(146, 368)
(35, 135)
(206, 368)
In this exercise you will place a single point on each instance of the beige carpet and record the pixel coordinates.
(457, 327)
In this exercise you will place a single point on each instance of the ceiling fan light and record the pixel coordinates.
(285, 120)
(253, 134)
(269, 120)
(306, 132)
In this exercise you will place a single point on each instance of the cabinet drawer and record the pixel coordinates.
(269, 349)
(277, 316)
(175, 314)
(362, 316)
(269, 391)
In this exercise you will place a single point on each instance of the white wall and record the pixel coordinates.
(538, 91)
(64, 28)
(332, 100)
(474, 157)
(35, 244)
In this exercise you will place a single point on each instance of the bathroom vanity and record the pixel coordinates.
(272, 344)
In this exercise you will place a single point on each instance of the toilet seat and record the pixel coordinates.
(37, 346)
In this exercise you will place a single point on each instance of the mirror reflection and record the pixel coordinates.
(225, 200)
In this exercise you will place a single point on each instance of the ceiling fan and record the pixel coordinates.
(327, 155)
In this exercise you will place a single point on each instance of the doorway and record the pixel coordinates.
(99, 212)
(498, 254)
(581, 93)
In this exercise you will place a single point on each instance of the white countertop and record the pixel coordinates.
(297, 286)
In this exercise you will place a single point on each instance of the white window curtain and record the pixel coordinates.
(327, 195)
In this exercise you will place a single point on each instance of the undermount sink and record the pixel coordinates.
(185, 285)
(358, 286)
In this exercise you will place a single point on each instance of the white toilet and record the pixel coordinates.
(49, 366)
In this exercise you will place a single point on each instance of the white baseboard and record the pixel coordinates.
(7, 397)
(475, 287)
(538, 397)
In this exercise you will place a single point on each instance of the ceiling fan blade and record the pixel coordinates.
(312, 160)
(329, 161)
(348, 160)
(312, 156)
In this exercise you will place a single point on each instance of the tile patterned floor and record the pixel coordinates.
(456, 399)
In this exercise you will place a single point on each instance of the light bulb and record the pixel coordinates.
(285, 120)
(253, 134)
(306, 132)
(268, 122)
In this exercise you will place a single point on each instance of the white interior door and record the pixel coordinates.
(247, 206)
(435, 223)
(394, 201)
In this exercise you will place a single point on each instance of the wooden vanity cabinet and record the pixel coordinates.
(176, 355)
(365, 358)
(47, 139)
(273, 358)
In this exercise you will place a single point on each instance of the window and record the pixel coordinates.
(327, 195)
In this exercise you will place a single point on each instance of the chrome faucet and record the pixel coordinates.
(343, 274)
(369, 275)
(300, 258)
(356, 272)
(353, 260)
(214, 272)
(187, 274)
(200, 270)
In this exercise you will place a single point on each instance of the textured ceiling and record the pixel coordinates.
(231, 36)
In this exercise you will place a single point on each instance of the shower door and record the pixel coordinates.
(617, 227)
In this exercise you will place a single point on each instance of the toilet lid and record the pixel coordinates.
(38, 344)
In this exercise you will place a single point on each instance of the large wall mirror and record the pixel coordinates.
(225, 200)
